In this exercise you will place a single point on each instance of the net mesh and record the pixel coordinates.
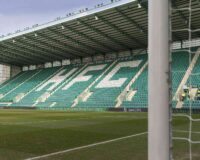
(190, 131)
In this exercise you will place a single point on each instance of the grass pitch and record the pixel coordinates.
(25, 134)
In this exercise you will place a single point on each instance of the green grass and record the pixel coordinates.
(25, 134)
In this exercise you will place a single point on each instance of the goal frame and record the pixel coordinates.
(159, 80)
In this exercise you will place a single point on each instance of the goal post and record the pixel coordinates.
(159, 140)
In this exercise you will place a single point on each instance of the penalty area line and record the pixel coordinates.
(86, 146)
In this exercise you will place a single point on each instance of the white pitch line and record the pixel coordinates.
(24, 123)
(86, 146)
(36, 122)
(60, 120)
(182, 131)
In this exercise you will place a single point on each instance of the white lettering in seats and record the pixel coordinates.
(108, 83)
(57, 79)
(82, 77)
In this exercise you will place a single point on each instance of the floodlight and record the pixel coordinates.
(96, 18)
(139, 5)
(63, 27)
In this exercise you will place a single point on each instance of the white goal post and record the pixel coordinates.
(159, 139)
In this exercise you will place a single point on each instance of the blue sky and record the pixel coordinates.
(18, 14)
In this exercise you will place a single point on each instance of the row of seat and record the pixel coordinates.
(64, 85)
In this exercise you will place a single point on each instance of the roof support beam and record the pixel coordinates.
(90, 38)
(138, 26)
(68, 48)
(12, 57)
(17, 52)
(34, 50)
(5, 61)
(122, 32)
(4, 58)
(37, 49)
(27, 53)
(43, 51)
(86, 47)
(20, 46)
(56, 50)
(144, 4)
(105, 35)
(183, 17)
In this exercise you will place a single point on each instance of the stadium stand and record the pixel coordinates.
(180, 64)
(52, 78)
(194, 81)
(107, 89)
(140, 98)
(29, 95)
(65, 95)
(119, 83)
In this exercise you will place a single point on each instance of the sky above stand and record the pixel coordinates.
(19, 14)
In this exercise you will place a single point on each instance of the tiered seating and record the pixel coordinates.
(194, 80)
(13, 84)
(106, 95)
(58, 76)
(194, 104)
(140, 100)
(65, 96)
(63, 87)
(10, 80)
(31, 97)
(180, 64)
(31, 83)
(195, 76)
